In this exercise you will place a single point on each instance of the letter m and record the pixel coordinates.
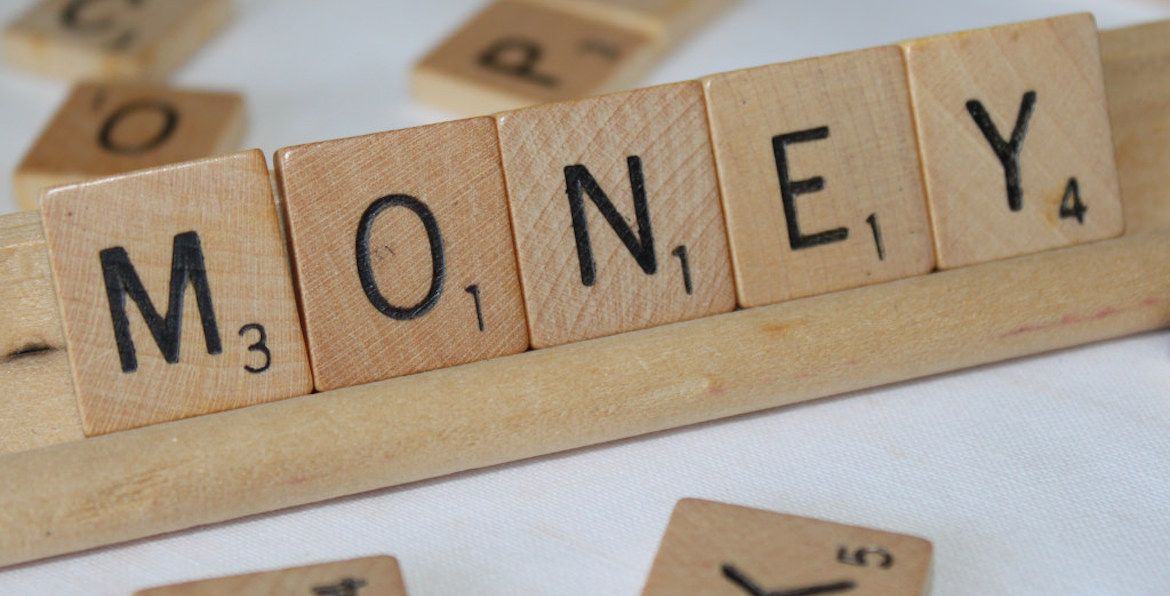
(186, 267)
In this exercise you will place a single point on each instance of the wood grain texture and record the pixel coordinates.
(90, 39)
(223, 466)
(37, 404)
(367, 576)
(515, 54)
(172, 226)
(846, 120)
(207, 469)
(111, 128)
(1056, 63)
(1136, 60)
(715, 549)
(452, 173)
(667, 22)
(648, 147)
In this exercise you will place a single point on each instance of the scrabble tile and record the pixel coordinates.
(175, 292)
(37, 406)
(514, 54)
(667, 22)
(616, 212)
(713, 549)
(369, 576)
(111, 128)
(403, 251)
(111, 39)
(1139, 110)
(819, 174)
(1015, 141)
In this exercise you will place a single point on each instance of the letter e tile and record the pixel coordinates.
(818, 168)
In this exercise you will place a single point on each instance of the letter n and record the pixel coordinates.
(187, 266)
(578, 183)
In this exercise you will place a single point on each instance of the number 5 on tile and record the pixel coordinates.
(713, 549)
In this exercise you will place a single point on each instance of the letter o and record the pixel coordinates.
(366, 271)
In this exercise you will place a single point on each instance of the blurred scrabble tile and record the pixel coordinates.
(515, 53)
(37, 406)
(667, 22)
(819, 173)
(175, 292)
(111, 128)
(369, 576)
(111, 39)
(640, 240)
(1014, 134)
(403, 251)
(1135, 61)
(714, 549)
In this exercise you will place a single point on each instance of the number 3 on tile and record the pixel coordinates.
(260, 346)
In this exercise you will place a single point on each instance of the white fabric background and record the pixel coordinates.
(1047, 475)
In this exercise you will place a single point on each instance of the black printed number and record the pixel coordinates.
(260, 346)
(877, 235)
(1071, 205)
(681, 252)
(860, 556)
(474, 291)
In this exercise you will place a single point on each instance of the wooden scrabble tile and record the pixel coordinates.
(616, 213)
(819, 173)
(111, 128)
(403, 251)
(514, 54)
(1014, 134)
(175, 292)
(37, 406)
(96, 39)
(1139, 110)
(667, 22)
(369, 576)
(713, 549)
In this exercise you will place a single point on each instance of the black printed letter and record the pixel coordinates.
(186, 267)
(366, 271)
(170, 121)
(498, 57)
(579, 182)
(789, 189)
(71, 16)
(1007, 152)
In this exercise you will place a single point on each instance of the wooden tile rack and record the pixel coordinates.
(169, 476)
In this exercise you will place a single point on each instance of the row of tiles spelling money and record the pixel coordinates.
(434, 246)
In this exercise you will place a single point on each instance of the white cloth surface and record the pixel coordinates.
(1045, 475)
